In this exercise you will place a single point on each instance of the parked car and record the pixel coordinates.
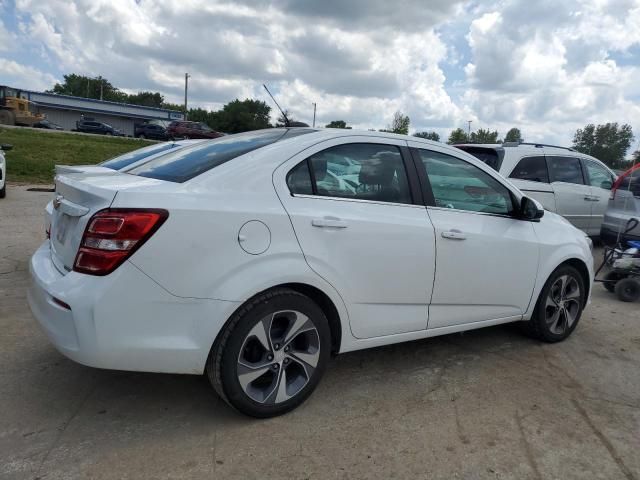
(575, 185)
(100, 128)
(46, 124)
(185, 129)
(3, 169)
(624, 204)
(238, 258)
(151, 130)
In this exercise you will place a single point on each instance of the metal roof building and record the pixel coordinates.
(66, 110)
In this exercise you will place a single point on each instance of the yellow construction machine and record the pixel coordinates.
(15, 110)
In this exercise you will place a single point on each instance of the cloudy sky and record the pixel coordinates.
(545, 66)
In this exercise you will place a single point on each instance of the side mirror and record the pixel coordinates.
(531, 210)
(606, 185)
(6, 147)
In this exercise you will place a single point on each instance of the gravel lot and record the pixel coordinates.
(485, 404)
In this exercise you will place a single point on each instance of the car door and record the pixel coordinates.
(573, 195)
(600, 180)
(487, 259)
(368, 235)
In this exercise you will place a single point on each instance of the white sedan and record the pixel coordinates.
(3, 169)
(245, 259)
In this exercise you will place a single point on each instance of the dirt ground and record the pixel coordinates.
(484, 404)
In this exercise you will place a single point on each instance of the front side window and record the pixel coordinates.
(598, 175)
(459, 185)
(533, 169)
(565, 169)
(360, 171)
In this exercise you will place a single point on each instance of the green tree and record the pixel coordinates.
(458, 136)
(282, 122)
(88, 87)
(399, 124)
(608, 143)
(337, 124)
(148, 99)
(242, 116)
(514, 135)
(485, 136)
(428, 136)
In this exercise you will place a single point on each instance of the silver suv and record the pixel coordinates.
(624, 206)
(572, 184)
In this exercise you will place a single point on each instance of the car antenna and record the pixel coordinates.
(284, 115)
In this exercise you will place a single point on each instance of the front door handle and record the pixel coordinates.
(328, 223)
(454, 234)
(592, 198)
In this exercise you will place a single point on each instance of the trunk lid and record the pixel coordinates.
(78, 196)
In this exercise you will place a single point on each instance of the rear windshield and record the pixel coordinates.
(127, 159)
(186, 163)
(490, 156)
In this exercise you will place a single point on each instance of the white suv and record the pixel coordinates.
(572, 184)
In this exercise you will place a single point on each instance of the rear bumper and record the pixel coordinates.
(123, 321)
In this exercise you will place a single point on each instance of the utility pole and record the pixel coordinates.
(87, 87)
(314, 114)
(186, 87)
(101, 85)
(469, 129)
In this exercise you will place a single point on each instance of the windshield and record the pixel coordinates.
(187, 163)
(118, 163)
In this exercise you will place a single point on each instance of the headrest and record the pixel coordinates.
(379, 170)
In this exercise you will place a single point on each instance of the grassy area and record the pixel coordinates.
(35, 153)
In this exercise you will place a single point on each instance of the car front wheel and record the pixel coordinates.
(559, 306)
(271, 355)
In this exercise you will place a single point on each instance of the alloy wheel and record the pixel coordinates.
(562, 306)
(278, 357)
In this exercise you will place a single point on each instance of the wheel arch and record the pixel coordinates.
(583, 270)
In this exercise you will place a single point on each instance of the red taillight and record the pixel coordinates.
(113, 235)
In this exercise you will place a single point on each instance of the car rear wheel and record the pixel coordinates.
(559, 306)
(271, 355)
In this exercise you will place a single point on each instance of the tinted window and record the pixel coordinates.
(490, 156)
(186, 163)
(299, 180)
(533, 169)
(358, 170)
(598, 175)
(565, 169)
(129, 158)
(460, 185)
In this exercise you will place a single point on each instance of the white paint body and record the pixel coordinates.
(3, 170)
(390, 273)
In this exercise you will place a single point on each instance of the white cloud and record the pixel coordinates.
(28, 78)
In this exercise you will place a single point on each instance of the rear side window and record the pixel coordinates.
(360, 171)
(127, 159)
(491, 156)
(565, 169)
(631, 182)
(187, 163)
(533, 169)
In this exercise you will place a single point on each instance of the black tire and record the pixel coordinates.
(628, 289)
(108, 134)
(3, 191)
(539, 327)
(611, 279)
(225, 355)
(141, 136)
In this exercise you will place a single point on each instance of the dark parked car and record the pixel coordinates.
(91, 126)
(151, 130)
(184, 129)
(47, 125)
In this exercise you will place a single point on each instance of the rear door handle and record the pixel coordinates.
(328, 223)
(454, 235)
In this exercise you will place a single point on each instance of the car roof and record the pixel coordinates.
(513, 152)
